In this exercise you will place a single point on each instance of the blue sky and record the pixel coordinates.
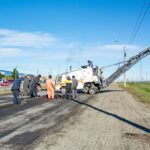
(54, 34)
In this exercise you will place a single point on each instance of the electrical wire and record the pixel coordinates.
(139, 22)
(138, 19)
(138, 27)
(135, 30)
(113, 65)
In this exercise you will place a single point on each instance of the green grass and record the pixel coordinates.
(139, 90)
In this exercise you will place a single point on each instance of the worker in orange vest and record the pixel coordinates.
(50, 86)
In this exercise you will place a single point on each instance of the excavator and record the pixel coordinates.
(90, 78)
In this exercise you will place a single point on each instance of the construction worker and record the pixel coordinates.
(31, 79)
(74, 87)
(50, 86)
(16, 90)
(68, 83)
(26, 86)
(35, 82)
(90, 63)
(101, 76)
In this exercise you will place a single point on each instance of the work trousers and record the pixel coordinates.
(16, 94)
(50, 93)
(68, 94)
(74, 93)
(33, 92)
(26, 91)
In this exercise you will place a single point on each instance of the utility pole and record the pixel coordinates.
(70, 68)
(146, 77)
(58, 67)
(50, 71)
(141, 71)
(37, 71)
(124, 54)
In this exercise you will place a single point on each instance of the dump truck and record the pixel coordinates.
(90, 79)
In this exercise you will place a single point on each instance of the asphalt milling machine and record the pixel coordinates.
(90, 79)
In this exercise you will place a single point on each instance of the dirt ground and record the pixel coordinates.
(110, 120)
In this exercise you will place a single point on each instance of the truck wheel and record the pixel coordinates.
(86, 89)
(92, 91)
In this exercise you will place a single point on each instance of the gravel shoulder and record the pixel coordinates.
(112, 119)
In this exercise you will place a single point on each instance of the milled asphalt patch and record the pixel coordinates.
(7, 100)
(9, 109)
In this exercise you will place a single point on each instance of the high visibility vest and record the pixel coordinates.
(65, 82)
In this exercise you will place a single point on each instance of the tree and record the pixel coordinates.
(1, 76)
(15, 74)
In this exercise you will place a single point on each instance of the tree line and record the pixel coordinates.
(13, 76)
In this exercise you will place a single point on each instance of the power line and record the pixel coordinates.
(135, 30)
(139, 22)
(113, 65)
(138, 19)
(138, 27)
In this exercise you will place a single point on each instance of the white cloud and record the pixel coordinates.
(117, 47)
(67, 51)
(13, 38)
(10, 52)
(81, 52)
(108, 51)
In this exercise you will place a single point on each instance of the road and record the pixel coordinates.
(112, 119)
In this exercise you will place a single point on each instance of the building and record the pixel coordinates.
(8, 73)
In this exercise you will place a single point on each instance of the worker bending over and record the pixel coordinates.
(35, 83)
(16, 91)
(50, 86)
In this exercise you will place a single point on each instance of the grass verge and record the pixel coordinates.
(139, 90)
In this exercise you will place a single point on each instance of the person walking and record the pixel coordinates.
(74, 87)
(68, 83)
(16, 90)
(50, 86)
(26, 86)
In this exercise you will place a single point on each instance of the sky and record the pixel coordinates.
(48, 36)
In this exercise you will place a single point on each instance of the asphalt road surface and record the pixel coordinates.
(112, 119)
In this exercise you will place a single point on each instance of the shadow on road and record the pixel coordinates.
(115, 116)
(104, 91)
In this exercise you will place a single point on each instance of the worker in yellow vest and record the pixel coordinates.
(68, 87)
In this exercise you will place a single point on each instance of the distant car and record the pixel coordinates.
(6, 83)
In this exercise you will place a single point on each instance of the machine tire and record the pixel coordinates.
(86, 89)
(92, 91)
(63, 90)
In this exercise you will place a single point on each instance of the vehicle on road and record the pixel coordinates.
(87, 77)
(90, 78)
(6, 83)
